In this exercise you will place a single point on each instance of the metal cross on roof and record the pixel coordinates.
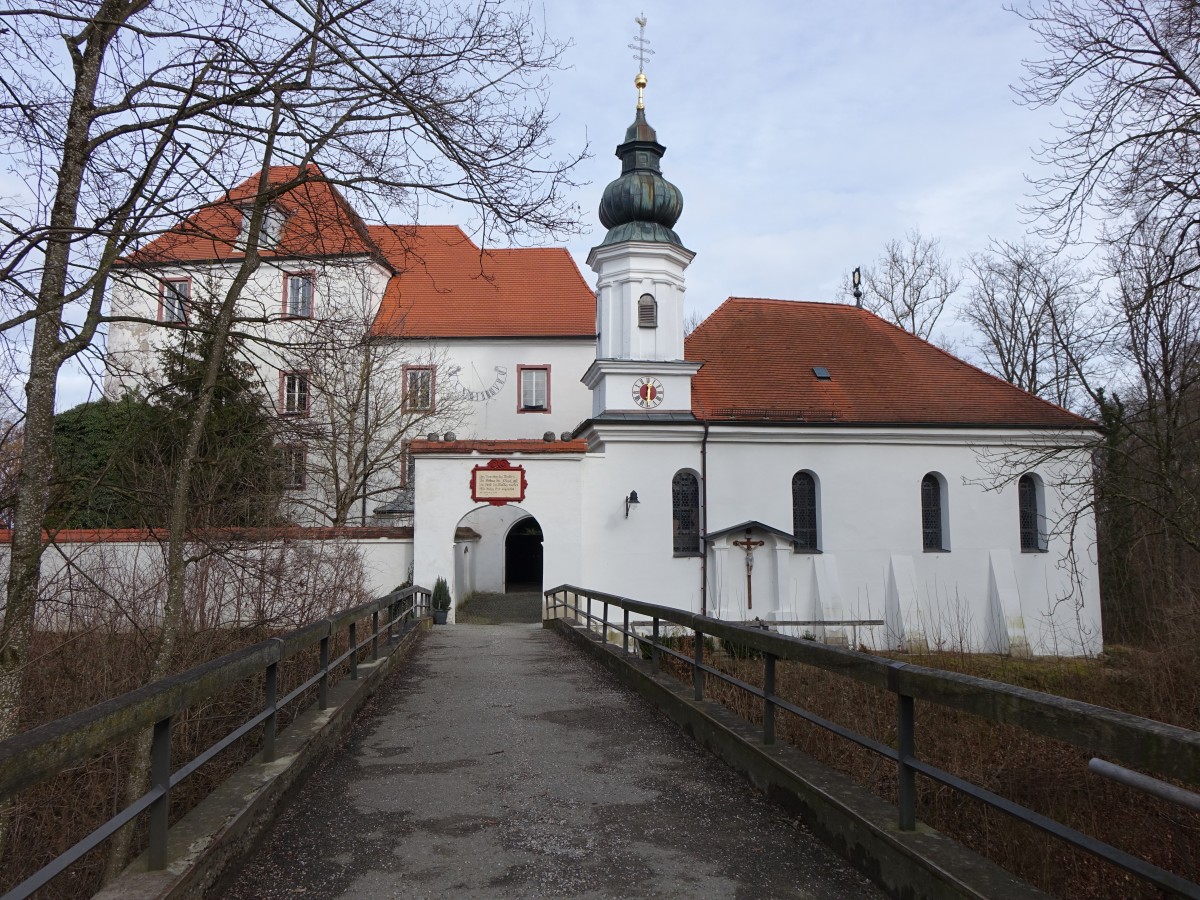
(640, 44)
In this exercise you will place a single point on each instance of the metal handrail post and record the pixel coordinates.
(323, 689)
(375, 635)
(768, 693)
(604, 625)
(271, 691)
(160, 779)
(353, 651)
(654, 645)
(625, 642)
(589, 613)
(697, 672)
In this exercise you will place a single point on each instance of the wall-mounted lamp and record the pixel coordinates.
(631, 500)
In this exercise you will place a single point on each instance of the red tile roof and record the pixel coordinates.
(759, 356)
(499, 448)
(448, 287)
(319, 222)
(445, 285)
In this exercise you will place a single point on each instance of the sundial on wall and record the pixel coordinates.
(476, 387)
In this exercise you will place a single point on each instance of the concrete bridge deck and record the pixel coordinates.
(499, 763)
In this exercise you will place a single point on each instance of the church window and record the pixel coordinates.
(418, 388)
(173, 302)
(804, 511)
(647, 311)
(933, 513)
(1029, 505)
(298, 295)
(535, 388)
(295, 465)
(685, 513)
(295, 393)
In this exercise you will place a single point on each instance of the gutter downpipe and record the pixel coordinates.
(704, 521)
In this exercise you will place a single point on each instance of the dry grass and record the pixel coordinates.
(1047, 776)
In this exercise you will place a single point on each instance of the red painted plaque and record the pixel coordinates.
(498, 483)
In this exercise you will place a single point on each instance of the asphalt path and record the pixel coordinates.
(499, 763)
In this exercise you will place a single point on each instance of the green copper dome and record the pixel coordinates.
(641, 205)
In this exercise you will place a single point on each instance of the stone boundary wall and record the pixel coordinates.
(115, 578)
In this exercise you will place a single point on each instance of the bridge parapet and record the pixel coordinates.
(46, 751)
(1155, 747)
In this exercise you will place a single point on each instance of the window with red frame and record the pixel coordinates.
(176, 292)
(535, 389)
(295, 393)
(298, 295)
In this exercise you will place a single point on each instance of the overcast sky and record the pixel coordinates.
(803, 135)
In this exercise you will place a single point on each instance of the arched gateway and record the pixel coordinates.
(523, 556)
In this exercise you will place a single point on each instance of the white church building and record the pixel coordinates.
(794, 462)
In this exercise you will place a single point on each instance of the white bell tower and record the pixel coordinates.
(639, 266)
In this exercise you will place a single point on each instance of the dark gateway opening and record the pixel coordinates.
(523, 557)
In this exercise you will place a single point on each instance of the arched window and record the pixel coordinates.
(685, 513)
(804, 511)
(933, 513)
(1029, 506)
(647, 311)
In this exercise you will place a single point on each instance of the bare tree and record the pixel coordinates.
(1032, 313)
(910, 283)
(1125, 75)
(370, 396)
(160, 107)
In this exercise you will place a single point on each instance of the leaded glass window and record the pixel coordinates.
(804, 511)
(1030, 514)
(931, 513)
(685, 513)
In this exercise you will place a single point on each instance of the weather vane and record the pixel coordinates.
(641, 46)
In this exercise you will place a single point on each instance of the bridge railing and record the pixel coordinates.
(1163, 749)
(46, 751)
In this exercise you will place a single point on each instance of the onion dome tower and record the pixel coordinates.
(641, 205)
(640, 285)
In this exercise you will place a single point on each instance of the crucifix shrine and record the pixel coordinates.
(749, 545)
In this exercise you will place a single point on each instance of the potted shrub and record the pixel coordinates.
(440, 601)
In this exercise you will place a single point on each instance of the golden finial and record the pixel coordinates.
(642, 46)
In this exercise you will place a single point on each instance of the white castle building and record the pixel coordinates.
(789, 461)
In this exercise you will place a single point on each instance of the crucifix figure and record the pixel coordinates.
(749, 545)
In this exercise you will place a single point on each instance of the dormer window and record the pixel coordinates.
(272, 227)
(647, 311)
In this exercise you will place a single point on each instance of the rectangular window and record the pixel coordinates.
(270, 231)
(535, 388)
(418, 389)
(295, 393)
(173, 306)
(295, 465)
(298, 295)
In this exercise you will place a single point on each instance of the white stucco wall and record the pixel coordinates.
(471, 365)
(89, 582)
(984, 593)
(443, 498)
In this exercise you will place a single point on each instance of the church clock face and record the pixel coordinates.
(647, 392)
